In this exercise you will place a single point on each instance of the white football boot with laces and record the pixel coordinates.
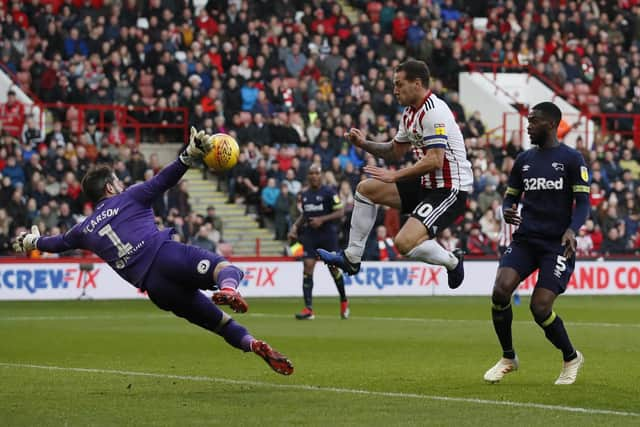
(500, 369)
(570, 370)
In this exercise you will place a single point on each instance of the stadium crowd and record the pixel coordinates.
(287, 78)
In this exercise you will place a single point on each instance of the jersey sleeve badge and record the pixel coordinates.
(337, 203)
(584, 173)
(440, 129)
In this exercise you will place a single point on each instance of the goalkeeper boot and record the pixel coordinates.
(500, 369)
(339, 259)
(232, 298)
(278, 362)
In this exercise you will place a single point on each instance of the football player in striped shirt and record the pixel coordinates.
(433, 190)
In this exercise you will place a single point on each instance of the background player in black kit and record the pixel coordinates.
(317, 228)
(548, 178)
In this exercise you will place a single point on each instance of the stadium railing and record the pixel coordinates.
(608, 122)
(75, 117)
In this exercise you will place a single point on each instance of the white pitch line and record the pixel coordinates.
(286, 316)
(561, 408)
(87, 317)
(439, 320)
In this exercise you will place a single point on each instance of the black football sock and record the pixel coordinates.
(555, 332)
(339, 279)
(502, 317)
(307, 290)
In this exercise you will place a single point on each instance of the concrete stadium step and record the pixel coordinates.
(249, 249)
(241, 230)
(238, 229)
(166, 152)
(351, 13)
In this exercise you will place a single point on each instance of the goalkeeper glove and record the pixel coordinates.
(27, 241)
(199, 144)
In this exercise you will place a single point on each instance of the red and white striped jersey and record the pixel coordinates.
(506, 229)
(434, 126)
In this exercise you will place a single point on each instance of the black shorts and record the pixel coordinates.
(527, 255)
(435, 208)
(313, 241)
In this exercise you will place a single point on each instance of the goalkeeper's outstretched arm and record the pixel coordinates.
(199, 144)
(27, 242)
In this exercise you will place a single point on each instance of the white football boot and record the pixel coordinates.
(570, 370)
(500, 369)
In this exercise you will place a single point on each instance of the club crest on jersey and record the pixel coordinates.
(203, 266)
(557, 166)
(584, 173)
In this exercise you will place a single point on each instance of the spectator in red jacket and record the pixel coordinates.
(116, 135)
(399, 27)
(596, 196)
(207, 23)
(478, 243)
(12, 115)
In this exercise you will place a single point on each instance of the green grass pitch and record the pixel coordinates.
(396, 362)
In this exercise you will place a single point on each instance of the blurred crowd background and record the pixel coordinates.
(287, 79)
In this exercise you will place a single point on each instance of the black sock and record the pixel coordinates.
(555, 332)
(307, 289)
(339, 279)
(502, 318)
